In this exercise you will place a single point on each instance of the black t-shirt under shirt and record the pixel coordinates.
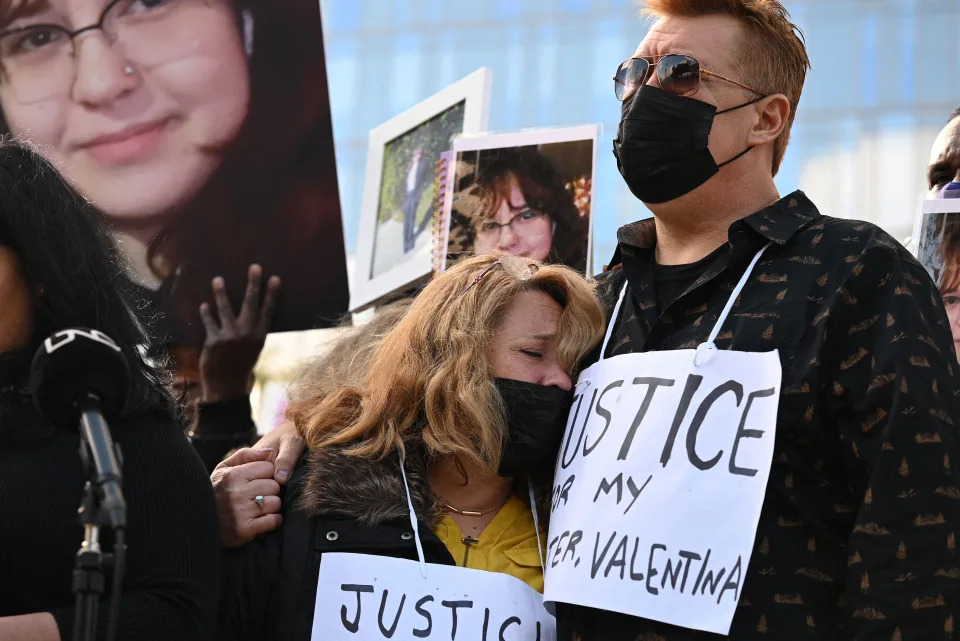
(671, 281)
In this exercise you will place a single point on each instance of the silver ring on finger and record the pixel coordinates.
(259, 501)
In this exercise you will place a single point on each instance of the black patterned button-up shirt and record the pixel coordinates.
(857, 535)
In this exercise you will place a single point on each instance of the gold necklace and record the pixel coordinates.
(456, 510)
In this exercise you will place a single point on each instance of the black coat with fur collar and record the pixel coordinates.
(333, 503)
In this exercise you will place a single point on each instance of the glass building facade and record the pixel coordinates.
(886, 75)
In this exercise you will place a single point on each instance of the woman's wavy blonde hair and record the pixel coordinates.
(430, 380)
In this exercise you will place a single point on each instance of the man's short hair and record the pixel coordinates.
(956, 114)
(771, 57)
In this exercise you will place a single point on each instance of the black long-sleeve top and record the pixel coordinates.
(857, 535)
(171, 588)
(220, 427)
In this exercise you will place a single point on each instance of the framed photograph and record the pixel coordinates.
(211, 148)
(394, 249)
(938, 250)
(527, 193)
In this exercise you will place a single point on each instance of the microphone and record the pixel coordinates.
(79, 376)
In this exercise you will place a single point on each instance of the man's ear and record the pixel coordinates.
(773, 113)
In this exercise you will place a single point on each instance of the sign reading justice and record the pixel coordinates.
(366, 598)
(660, 482)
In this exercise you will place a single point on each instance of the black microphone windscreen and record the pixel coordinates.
(72, 364)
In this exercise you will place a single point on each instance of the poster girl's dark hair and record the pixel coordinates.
(274, 200)
(71, 267)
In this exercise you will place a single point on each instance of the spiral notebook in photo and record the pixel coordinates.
(442, 187)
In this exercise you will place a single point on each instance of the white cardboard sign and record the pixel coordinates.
(372, 598)
(659, 485)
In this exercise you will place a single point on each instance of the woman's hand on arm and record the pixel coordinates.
(29, 627)
(237, 481)
(286, 445)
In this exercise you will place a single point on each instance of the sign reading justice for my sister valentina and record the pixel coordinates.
(659, 485)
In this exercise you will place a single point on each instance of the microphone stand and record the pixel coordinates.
(102, 506)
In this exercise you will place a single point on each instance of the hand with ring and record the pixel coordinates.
(248, 500)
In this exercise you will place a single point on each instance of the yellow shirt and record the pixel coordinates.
(508, 544)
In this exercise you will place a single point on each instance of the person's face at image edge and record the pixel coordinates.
(526, 341)
(944, 158)
(530, 238)
(139, 144)
(951, 300)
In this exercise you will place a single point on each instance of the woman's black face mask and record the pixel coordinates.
(661, 144)
(536, 418)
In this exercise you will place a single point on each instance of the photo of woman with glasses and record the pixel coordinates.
(165, 114)
(531, 201)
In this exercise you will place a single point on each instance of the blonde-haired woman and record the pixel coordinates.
(467, 398)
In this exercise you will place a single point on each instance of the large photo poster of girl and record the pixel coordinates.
(201, 130)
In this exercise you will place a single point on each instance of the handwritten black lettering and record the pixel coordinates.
(597, 562)
(453, 605)
(605, 487)
(693, 384)
(652, 384)
(635, 576)
(694, 431)
(635, 491)
(703, 569)
(575, 538)
(744, 433)
(712, 581)
(605, 414)
(507, 624)
(651, 571)
(731, 584)
(618, 558)
(564, 463)
(486, 623)
(385, 631)
(560, 492)
(423, 634)
(556, 550)
(671, 574)
(688, 557)
(353, 626)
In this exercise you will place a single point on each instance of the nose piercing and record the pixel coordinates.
(128, 70)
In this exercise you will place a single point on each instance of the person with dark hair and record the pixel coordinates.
(518, 203)
(164, 115)
(943, 173)
(943, 181)
(60, 269)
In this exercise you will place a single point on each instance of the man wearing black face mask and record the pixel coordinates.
(850, 514)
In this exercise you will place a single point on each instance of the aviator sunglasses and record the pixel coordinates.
(678, 74)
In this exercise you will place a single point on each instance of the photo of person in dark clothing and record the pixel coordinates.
(415, 184)
(405, 200)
